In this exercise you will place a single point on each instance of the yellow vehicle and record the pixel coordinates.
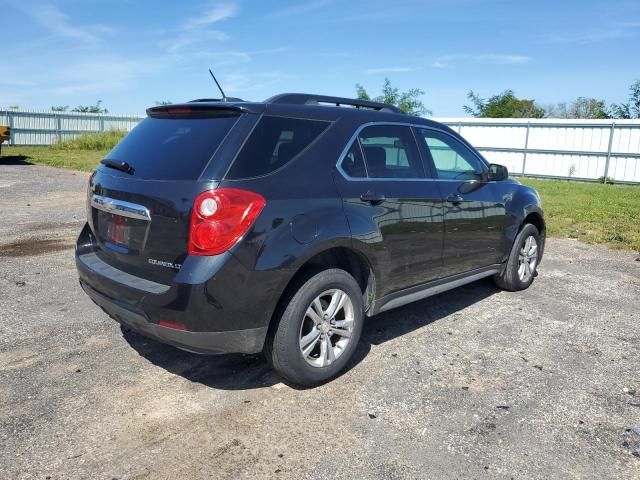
(4, 135)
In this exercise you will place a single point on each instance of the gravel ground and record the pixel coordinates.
(473, 383)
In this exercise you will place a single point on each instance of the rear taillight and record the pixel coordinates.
(220, 218)
(174, 325)
(89, 192)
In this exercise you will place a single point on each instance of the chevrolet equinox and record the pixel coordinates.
(277, 227)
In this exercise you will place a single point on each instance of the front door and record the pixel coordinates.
(474, 212)
(395, 212)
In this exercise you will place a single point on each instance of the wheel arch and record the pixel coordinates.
(533, 215)
(343, 257)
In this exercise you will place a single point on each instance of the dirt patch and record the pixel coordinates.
(32, 247)
(49, 226)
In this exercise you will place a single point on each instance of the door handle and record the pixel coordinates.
(372, 198)
(455, 198)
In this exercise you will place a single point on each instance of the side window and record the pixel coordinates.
(452, 159)
(353, 163)
(390, 151)
(273, 143)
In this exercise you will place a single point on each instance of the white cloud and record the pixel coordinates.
(593, 36)
(611, 31)
(57, 22)
(497, 59)
(629, 24)
(194, 37)
(301, 8)
(86, 76)
(484, 59)
(373, 71)
(16, 83)
(250, 82)
(196, 29)
(214, 14)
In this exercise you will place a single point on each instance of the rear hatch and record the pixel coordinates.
(140, 197)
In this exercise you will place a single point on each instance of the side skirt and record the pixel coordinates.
(413, 294)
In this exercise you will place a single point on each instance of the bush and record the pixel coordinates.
(92, 141)
(608, 179)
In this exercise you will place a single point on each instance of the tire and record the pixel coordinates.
(512, 278)
(298, 325)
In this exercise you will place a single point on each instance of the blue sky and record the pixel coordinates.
(131, 53)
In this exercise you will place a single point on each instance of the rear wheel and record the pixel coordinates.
(318, 330)
(520, 269)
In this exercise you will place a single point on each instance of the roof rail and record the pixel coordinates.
(310, 99)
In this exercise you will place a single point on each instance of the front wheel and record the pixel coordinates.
(521, 266)
(319, 329)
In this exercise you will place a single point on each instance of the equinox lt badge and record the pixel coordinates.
(162, 263)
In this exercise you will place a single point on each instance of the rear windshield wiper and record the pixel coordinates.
(122, 166)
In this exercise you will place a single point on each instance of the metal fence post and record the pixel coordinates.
(58, 127)
(11, 129)
(606, 164)
(526, 146)
(101, 123)
(459, 127)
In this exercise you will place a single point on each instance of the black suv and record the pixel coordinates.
(279, 226)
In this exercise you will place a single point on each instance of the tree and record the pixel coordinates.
(503, 105)
(631, 109)
(163, 102)
(60, 108)
(91, 109)
(409, 101)
(581, 107)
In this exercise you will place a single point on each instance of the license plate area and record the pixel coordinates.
(122, 232)
(120, 225)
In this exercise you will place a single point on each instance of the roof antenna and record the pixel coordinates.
(224, 97)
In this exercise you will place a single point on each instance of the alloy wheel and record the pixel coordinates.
(326, 328)
(527, 258)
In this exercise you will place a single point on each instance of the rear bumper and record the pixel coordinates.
(234, 341)
(224, 306)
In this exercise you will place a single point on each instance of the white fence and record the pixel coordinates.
(578, 149)
(44, 128)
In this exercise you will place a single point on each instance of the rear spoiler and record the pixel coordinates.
(195, 110)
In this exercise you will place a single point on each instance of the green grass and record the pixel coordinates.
(591, 212)
(80, 153)
(91, 141)
(85, 160)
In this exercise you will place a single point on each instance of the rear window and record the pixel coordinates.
(172, 149)
(273, 143)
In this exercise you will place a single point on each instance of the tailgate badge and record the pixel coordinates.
(162, 263)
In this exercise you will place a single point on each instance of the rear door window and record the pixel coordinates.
(390, 152)
(274, 142)
(172, 148)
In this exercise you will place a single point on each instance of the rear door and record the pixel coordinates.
(140, 215)
(474, 212)
(393, 209)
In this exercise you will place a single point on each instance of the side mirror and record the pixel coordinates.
(497, 172)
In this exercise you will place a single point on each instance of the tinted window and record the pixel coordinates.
(390, 152)
(451, 158)
(172, 149)
(273, 143)
(353, 164)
